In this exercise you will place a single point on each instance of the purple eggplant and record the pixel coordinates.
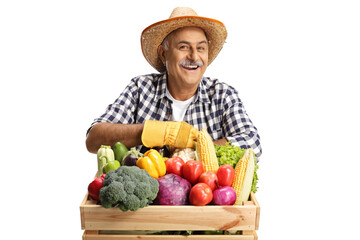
(131, 157)
(164, 150)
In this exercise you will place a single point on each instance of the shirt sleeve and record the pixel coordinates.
(238, 127)
(123, 109)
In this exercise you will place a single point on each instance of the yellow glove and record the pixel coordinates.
(174, 134)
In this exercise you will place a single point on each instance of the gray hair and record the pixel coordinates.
(165, 42)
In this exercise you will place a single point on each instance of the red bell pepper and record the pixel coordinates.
(225, 175)
(175, 165)
(192, 170)
(95, 186)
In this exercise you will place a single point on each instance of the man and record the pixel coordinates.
(170, 107)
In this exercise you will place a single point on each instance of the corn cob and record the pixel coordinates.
(244, 173)
(206, 151)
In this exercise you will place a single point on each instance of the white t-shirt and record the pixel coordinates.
(178, 107)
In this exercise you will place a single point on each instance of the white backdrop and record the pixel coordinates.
(295, 64)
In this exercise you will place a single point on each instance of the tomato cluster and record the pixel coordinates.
(203, 183)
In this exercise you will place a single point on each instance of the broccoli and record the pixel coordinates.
(128, 188)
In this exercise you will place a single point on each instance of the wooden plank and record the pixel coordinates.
(88, 234)
(254, 200)
(161, 218)
(82, 207)
(95, 235)
(251, 233)
(171, 218)
(255, 235)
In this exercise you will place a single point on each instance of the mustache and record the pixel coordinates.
(187, 62)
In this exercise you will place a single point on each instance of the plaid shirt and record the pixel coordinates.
(216, 107)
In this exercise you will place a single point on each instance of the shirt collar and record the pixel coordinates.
(201, 95)
(160, 91)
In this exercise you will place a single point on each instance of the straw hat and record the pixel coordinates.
(153, 35)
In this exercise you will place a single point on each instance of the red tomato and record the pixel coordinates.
(192, 170)
(225, 175)
(210, 179)
(174, 165)
(200, 194)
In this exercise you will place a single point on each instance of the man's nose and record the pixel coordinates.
(193, 55)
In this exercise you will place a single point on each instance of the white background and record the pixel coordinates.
(294, 63)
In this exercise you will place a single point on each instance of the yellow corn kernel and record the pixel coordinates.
(239, 176)
(206, 151)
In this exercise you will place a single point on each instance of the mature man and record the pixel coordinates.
(170, 107)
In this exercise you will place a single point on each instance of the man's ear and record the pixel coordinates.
(161, 53)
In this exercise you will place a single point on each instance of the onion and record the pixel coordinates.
(224, 196)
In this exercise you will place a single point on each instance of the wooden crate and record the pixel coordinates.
(100, 223)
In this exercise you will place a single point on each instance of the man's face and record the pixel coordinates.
(186, 57)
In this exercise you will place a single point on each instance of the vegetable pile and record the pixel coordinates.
(209, 174)
(230, 154)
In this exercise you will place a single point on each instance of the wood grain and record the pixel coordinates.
(96, 219)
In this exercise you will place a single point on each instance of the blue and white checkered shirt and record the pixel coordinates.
(216, 107)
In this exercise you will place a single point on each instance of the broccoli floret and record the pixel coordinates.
(110, 195)
(129, 188)
(154, 186)
(110, 177)
(131, 203)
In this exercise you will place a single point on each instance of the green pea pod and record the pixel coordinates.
(119, 150)
(111, 166)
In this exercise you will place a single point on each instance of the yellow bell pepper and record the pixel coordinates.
(153, 163)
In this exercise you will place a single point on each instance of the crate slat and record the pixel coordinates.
(254, 200)
(96, 235)
(95, 217)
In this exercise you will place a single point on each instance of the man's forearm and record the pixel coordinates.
(110, 133)
(221, 142)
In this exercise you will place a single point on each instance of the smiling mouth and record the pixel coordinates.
(190, 67)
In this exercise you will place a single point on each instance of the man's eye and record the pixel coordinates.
(183, 47)
(201, 48)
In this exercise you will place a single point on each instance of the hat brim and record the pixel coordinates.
(152, 36)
